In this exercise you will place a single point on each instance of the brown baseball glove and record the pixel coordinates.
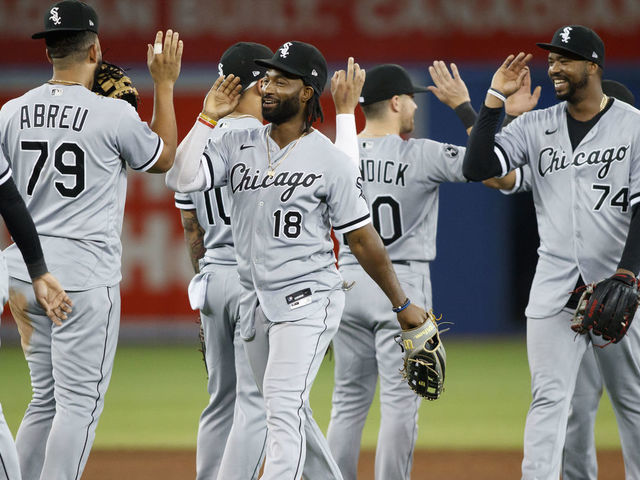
(111, 81)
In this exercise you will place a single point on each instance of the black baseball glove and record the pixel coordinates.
(424, 358)
(607, 308)
(111, 81)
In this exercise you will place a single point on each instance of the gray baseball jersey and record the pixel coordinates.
(213, 206)
(396, 173)
(287, 254)
(68, 148)
(583, 198)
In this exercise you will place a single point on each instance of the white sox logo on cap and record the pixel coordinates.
(284, 50)
(220, 71)
(566, 32)
(55, 18)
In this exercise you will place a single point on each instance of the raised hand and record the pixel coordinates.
(164, 57)
(449, 89)
(510, 76)
(52, 297)
(523, 100)
(223, 97)
(346, 87)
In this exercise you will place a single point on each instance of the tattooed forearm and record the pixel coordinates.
(194, 236)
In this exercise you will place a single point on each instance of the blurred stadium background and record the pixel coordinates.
(486, 241)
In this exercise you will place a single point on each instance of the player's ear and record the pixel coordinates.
(48, 56)
(306, 93)
(394, 103)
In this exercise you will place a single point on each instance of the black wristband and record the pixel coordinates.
(466, 114)
(37, 268)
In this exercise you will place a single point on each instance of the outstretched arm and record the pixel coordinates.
(366, 245)
(187, 173)
(346, 88)
(481, 161)
(164, 68)
(451, 90)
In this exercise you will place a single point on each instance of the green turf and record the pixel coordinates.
(157, 393)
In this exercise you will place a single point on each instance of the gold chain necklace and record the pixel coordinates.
(63, 82)
(271, 170)
(603, 102)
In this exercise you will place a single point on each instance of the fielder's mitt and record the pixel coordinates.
(424, 359)
(111, 81)
(607, 308)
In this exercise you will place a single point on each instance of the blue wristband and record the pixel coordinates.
(406, 303)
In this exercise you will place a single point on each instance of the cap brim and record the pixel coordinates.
(418, 89)
(561, 50)
(270, 63)
(49, 32)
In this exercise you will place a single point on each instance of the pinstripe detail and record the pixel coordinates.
(256, 470)
(6, 175)
(315, 352)
(503, 157)
(95, 407)
(4, 467)
(154, 157)
(209, 171)
(362, 220)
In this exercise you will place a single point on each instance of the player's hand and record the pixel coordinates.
(346, 87)
(52, 297)
(223, 97)
(164, 58)
(523, 100)
(449, 89)
(510, 76)
(411, 317)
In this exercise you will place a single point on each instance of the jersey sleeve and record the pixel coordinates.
(522, 181)
(348, 208)
(183, 201)
(139, 146)
(5, 169)
(440, 162)
(511, 143)
(215, 160)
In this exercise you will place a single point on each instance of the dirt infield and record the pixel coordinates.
(427, 465)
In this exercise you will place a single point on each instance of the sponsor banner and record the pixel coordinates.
(370, 30)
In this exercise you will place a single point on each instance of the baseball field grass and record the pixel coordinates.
(157, 394)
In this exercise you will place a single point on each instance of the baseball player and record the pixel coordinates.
(215, 291)
(53, 300)
(289, 184)
(68, 149)
(398, 175)
(579, 458)
(585, 178)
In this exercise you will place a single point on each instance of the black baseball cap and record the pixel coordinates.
(578, 41)
(302, 60)
(239, 60)
(69, 15)
(385, 81)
